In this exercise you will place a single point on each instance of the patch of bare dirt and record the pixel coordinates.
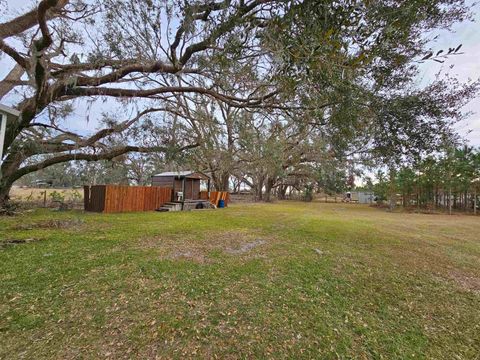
(244, 248)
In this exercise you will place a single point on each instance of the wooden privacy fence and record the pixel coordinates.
(216, 196)
(118, 198)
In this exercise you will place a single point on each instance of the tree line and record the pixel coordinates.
(450, 181)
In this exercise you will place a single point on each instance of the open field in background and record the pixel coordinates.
(36, 195)
(289, 279)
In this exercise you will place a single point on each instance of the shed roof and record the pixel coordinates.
(183, 174)
(9, 110)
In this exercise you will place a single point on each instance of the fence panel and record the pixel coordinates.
(94, 198)
(118, 198)
(216, 196)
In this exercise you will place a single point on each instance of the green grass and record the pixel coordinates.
(284, 280)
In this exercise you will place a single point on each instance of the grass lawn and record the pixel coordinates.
(283, 280)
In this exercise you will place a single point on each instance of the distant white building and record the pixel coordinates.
(362, 197)
(366, 197)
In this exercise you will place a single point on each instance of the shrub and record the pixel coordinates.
(57, 197)
(10, 208)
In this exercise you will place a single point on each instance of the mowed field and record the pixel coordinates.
(283, 280)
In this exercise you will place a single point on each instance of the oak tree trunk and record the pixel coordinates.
(5, 187)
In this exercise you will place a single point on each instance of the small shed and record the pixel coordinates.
(362, 197)
(365, 197)
(185, 184)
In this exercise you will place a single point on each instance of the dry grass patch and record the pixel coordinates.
(205, 247)
(465, 281)
(51, 224)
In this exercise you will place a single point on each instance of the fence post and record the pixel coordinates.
(86, 197)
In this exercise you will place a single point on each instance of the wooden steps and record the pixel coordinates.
(187, 205)
(170, 206)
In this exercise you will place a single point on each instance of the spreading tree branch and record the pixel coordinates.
(11, 80)
(106, 155)
(49, 8)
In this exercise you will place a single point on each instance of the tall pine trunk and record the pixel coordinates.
(475, 201)
(392, 190)
(450, 200)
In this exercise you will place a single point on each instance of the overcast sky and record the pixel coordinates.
(465, 67)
